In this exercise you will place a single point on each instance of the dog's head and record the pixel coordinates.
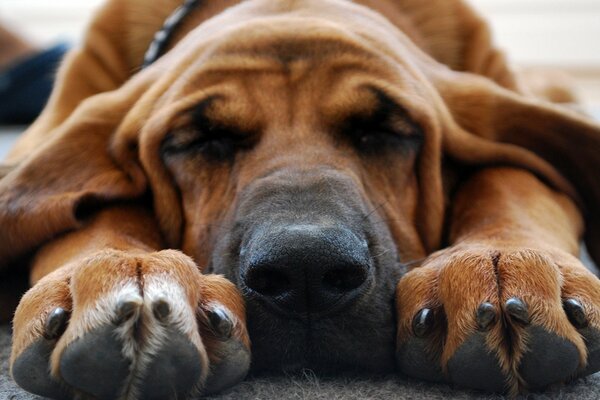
(300, 150)
(294, 151)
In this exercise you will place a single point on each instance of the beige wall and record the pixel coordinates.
(540, 32)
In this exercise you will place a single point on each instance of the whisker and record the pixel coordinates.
(385, 221)
(375, 209)
(209, 224)
(412, 263)
(382, 253)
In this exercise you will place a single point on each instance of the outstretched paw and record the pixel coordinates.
(499, 320)
(122, 325)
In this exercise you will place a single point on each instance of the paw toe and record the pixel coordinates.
(414, 360)
(95, 364)
(31, 371)
(231, 358)
(231, 369)
(474, 366)
(592, 340)
(174, 370)
(549, 359)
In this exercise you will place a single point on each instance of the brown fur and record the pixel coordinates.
(96, 147)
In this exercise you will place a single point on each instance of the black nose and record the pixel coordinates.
(306, 268)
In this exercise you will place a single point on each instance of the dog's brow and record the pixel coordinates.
(385, 103)
(381, 104)
(215, 112)
(295, 49)
(200, 111)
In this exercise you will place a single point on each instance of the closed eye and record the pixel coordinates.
(387, 127)
(215, 144)
(205, 137)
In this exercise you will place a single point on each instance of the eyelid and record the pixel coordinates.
(403, 124)
(398, 114)
(189, 137)
(382, 121)
(178, 139)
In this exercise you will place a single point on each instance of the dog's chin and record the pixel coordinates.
(360, 340)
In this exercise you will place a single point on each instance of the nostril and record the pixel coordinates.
(268, 282)
(304, 268)
(344, 279)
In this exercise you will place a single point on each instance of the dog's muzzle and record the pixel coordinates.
(317, 270)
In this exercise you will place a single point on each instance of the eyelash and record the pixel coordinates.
(377, 141)
(214, 144)
(373, 138)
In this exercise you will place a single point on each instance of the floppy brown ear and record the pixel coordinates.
(53, 189)
(111, 52)
(453, 33)
(69, 161)
(495, 125)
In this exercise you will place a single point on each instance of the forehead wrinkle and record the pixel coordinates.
(278, 57)
(276, 33)
(286, 50)
(284, 39)
(293, 78)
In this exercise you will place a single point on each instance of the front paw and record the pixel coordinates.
(120, 325)
(497, 319)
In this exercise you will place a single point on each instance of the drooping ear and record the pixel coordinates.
(489, 124)
(111, 52)
(453, 33)
(53, 189)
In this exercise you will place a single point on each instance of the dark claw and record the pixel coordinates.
(486, 315)
(161, 310)
(56, 323)
(422, 322)
(575, 313)
(126, 309)
(220, 322)
(517, 310)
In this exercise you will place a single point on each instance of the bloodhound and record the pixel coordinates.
(276, 185)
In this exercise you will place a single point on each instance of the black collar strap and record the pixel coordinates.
(163, 37)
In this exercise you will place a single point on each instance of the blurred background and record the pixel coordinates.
(561, 34)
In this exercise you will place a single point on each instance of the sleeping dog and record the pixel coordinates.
(218, 187)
